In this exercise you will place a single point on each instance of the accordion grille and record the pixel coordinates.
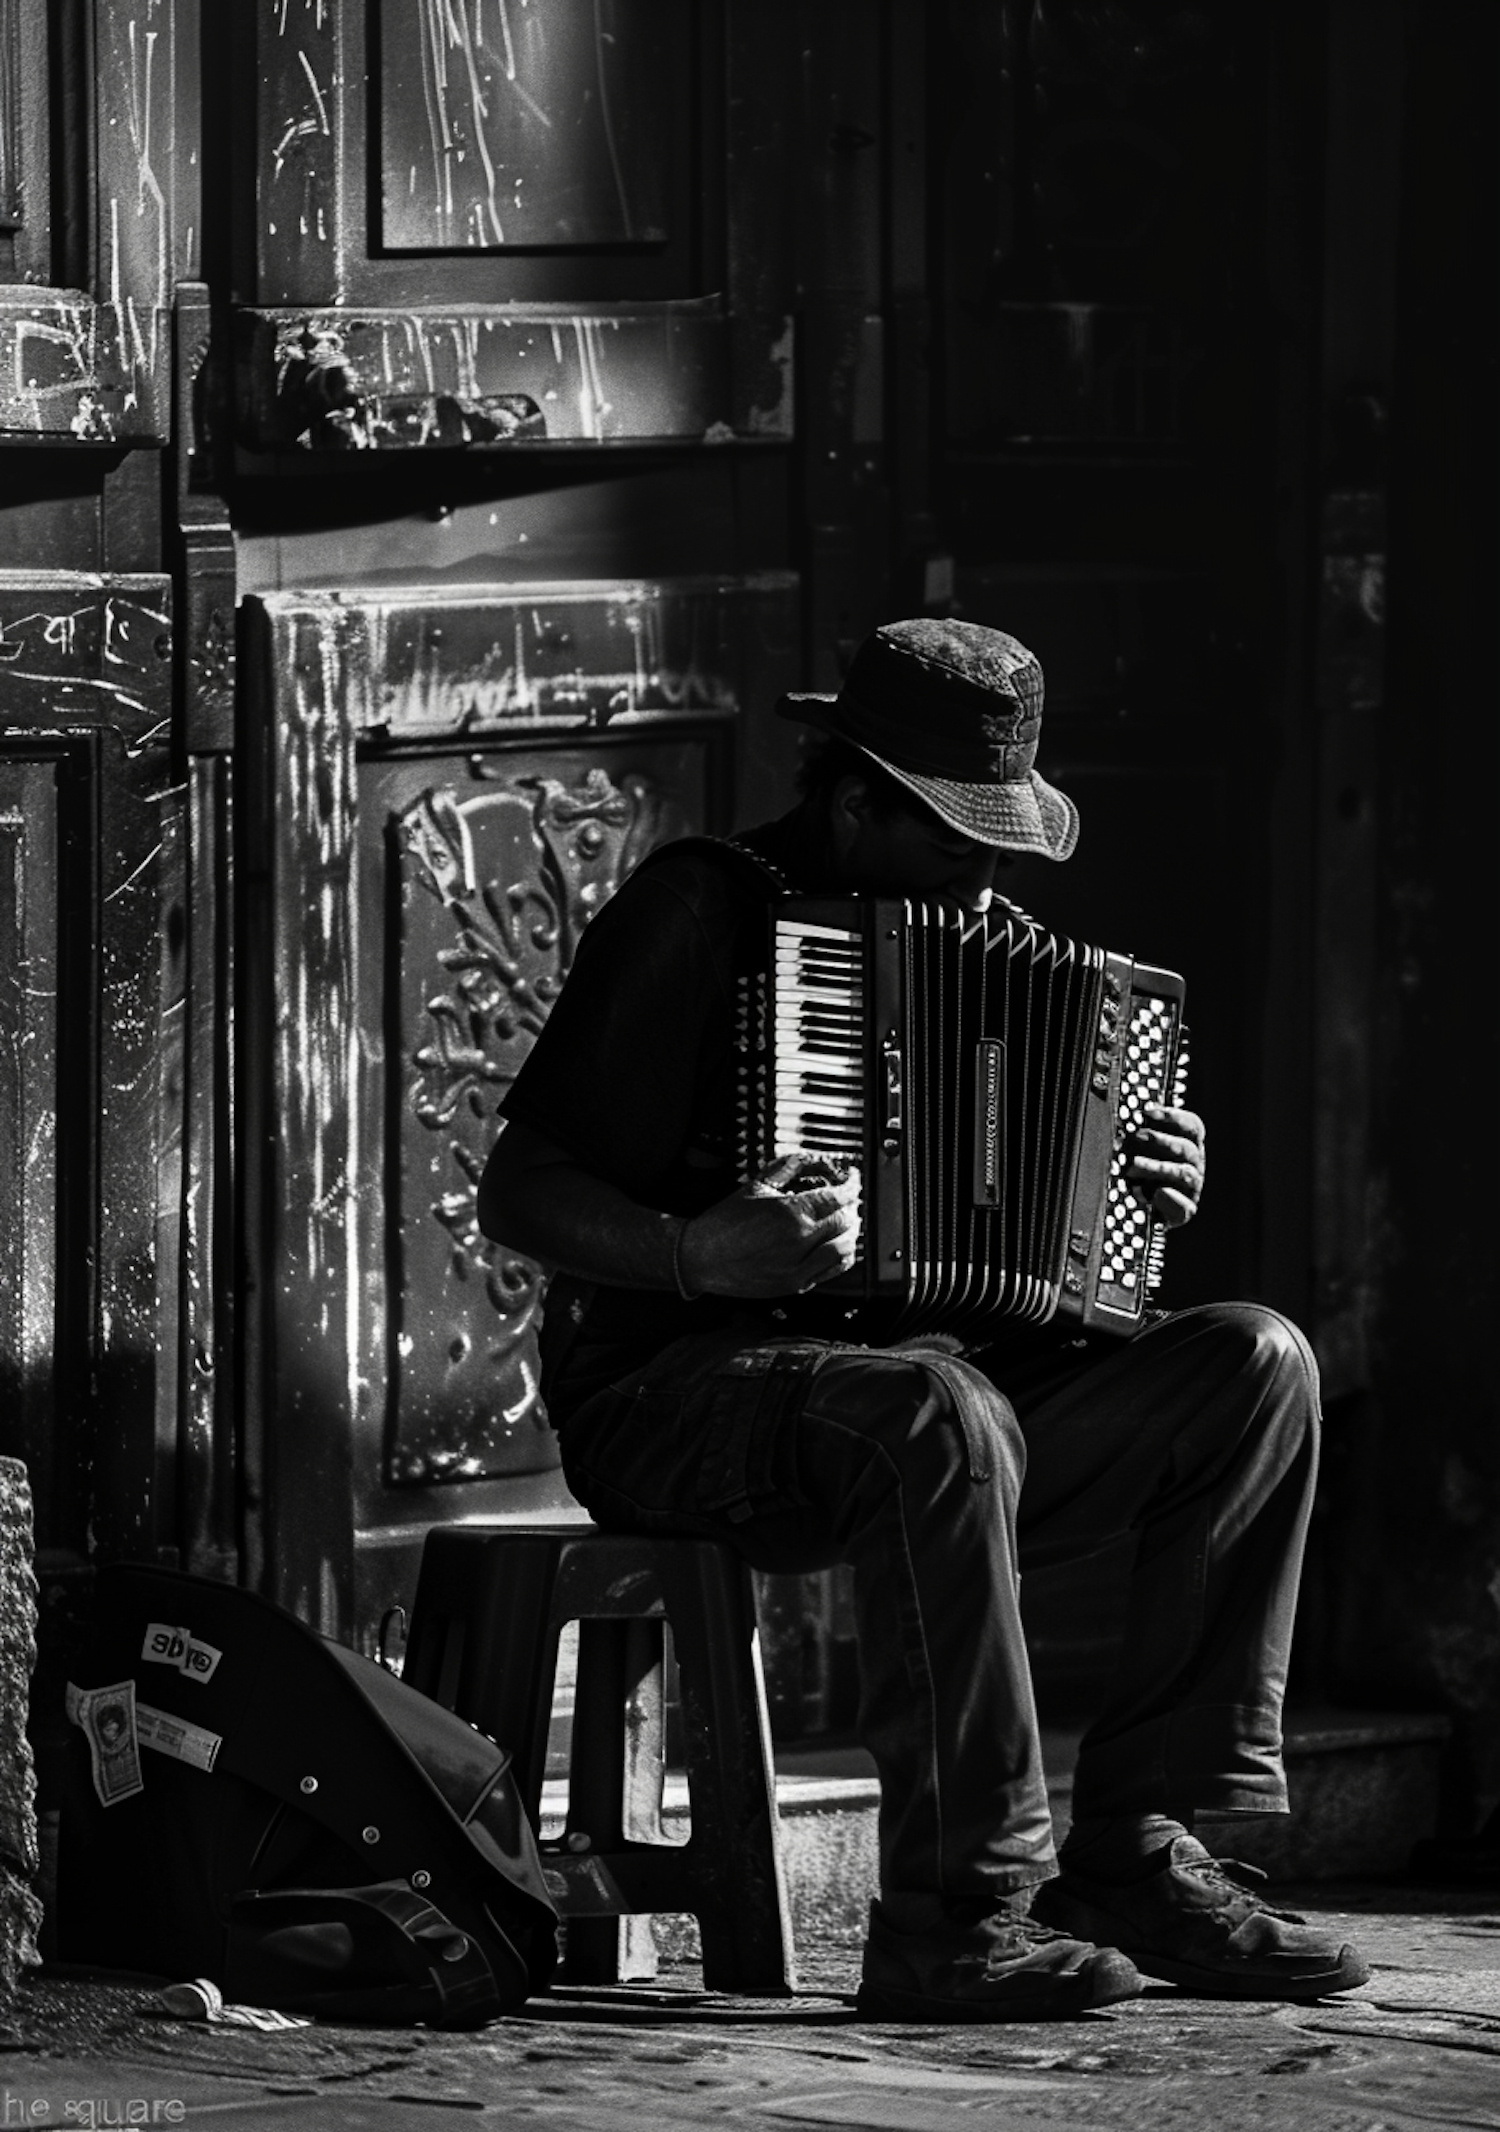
(999, 1032)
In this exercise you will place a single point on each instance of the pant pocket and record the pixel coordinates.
(749, 1459)
(975, 1404)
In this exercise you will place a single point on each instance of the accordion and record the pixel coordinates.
(984, 1074)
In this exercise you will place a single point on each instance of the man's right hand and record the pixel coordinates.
(764, 1241)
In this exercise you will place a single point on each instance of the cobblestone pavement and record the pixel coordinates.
(1419, 2046)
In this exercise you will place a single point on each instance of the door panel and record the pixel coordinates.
(536, 127)
(91, 928)
(443, 789)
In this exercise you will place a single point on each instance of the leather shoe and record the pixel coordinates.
(977, 1962)
(1196, 1922)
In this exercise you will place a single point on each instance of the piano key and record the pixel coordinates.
(828, 1064)
(796, 1039)
(803, 928)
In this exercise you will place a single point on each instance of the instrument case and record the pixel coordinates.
(255, 1804)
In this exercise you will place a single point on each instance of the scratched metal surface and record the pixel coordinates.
(727, 187)
(92, 1031)
(146, 131)
(26, 198)
(12, 71)
(70, 367)
(207, 1520)
(585, 655)
(93, 363)
(534, 125)
(361, 379)
(306, 77)
(425, 882)
(28, 1106)
(388, 143)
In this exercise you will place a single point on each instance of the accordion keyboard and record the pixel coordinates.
(818, 1093)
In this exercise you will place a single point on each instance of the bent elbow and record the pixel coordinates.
(514, 1202)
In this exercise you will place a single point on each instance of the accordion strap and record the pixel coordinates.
(759, 873)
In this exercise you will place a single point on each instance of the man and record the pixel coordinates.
(702, 1383)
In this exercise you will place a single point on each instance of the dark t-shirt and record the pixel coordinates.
(633, 1075)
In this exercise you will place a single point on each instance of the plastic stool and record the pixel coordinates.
(491, 1603)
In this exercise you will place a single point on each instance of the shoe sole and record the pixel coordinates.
(1350, 1973)
(1082, 1920)
(1098, 1984)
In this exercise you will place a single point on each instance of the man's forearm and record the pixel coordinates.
(575, 1223)
(763, 1240)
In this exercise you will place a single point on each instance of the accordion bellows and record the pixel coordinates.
(985, 1074)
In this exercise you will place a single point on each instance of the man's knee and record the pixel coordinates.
(1262, 1343)
(1267, 1357)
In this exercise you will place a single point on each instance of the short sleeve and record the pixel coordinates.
(614, 1076)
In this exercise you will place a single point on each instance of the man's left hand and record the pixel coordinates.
(1166, 1160)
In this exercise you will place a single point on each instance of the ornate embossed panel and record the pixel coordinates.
(442, 790)
(498, 865)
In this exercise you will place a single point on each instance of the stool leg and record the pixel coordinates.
(735, 1849)
(483, 1641)
(615, 1784)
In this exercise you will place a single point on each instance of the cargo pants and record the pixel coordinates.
(940, 1485)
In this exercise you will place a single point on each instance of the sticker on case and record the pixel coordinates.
(158, 1729)
(106, 1717)
(169, 1646)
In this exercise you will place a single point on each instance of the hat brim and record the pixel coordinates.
(1025, 814)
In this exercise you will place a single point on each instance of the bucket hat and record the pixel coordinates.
(952, 710)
